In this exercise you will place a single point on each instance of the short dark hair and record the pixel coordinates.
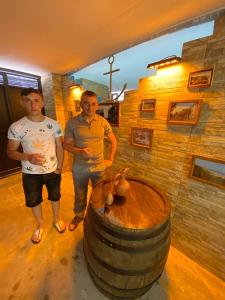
(88, 94)
(28, 91)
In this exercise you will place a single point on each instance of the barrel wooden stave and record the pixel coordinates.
(124, 261)
(125, 281)
(121, 271)
(127, 253)
(117, 294)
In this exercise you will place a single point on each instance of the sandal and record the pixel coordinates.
(75, 222)
(37, 236)
(60, 226)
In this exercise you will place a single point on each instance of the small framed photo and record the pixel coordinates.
(200, 78)
(184, 112)
(141, 137)
(77, 106)
(148, 105)
(110, 111)
(208, 170)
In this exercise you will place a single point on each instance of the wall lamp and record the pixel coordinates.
(74, 85)
(165, 62)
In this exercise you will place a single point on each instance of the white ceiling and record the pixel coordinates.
(61, 36)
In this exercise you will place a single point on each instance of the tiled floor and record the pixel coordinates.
(55, 268)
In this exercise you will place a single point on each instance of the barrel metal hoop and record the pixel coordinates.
(120, 271)
(140, 291)
(125, 248)
(129, 236)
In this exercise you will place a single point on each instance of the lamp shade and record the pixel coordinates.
(165, 62)
(74, 85)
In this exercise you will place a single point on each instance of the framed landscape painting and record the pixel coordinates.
(200, 78)
(184, 112)
(110, 111)
(141, 137)
(148, 105)
(208, 170)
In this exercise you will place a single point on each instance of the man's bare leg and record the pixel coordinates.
(59, 224)
(37, 213)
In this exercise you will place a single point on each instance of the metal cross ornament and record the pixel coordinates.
(111, 61)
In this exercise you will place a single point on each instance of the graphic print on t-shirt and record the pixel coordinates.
(37, 137)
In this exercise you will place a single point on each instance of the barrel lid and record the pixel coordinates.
(144, 206)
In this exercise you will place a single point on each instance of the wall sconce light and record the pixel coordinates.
(76, 92)
(73, 82)
(75, 88)
(74, 85)
(165, 62)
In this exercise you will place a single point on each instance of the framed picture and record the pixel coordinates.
(77, 106)
(200, 78)
(208, 170)
(184, 112)
(148, 104)
(141, 137)
(110, 111)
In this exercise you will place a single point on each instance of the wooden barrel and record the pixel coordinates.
(126, 246)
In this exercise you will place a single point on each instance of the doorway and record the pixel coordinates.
(11, 84)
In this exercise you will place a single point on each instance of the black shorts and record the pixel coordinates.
(33, 184)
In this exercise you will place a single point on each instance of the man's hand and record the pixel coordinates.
(107, 163)
(101, 167)
(36, 159)
(58, 171)
(86, 153)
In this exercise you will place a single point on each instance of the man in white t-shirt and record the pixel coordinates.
(41, 159)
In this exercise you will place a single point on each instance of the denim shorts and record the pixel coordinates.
(33, 184)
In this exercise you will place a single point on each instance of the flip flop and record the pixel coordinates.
(75, 222)
(37, 236)
(60, 226)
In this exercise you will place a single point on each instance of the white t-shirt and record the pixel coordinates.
(37, 137)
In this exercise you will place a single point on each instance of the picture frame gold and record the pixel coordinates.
(208, 170)
(202, 78)
(141, 137)
(184, 112)
(148, 104)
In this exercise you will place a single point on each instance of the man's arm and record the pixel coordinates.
(113, 146)
(59, 154)
(13, 153)
(112, 140)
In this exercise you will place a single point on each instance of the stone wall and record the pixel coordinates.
(48, 95)
(198, 209)
(55, 106)
(53, 97)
